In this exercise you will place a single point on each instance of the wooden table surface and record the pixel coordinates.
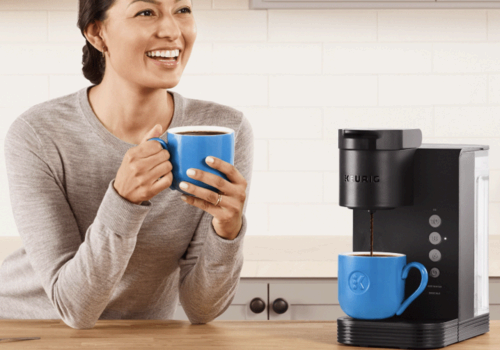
(176, 334)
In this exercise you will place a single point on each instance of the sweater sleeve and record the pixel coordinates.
(78, 277)
(210, 268)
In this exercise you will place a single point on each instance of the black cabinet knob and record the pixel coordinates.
(280, 306)
(257, 305)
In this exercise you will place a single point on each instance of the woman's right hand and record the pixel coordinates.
(138, 178)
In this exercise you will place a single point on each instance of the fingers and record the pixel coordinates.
(231, 172)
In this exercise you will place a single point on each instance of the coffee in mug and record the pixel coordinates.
(198, 133)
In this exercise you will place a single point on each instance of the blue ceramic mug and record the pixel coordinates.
(373, 287)
(190, 151)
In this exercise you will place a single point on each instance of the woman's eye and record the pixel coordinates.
(144, 12)
(186, 8)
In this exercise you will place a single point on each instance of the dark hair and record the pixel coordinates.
(93, 62)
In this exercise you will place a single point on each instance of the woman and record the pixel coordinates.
(104, 236)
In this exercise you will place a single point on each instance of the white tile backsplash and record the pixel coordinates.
(322, 90)
(382, 58)
(298, 75)
(322, 25)
(431, 89)
(47, 58)
(432, 25)
(23, 26)
(267, 58)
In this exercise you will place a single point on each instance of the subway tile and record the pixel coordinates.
(232, 90)
(466, 58)
(494, 88)
(38, 5)
(310, 219)
(303, 155)
(63, 27)
(261, 154)
(231, 25)
(231, 4)
(418, 90)
(494, 219)
(23, 90)
(322, 25)
(200, 60)
(432, 25)
(285, 123)
(287, 187)
(493, 143)
(23, 26)
(378, 118)
(47, 58)
(493, 25)
(322, 90)
(270, 58)
(467, 121)
(331, 187)
(257, 215)
(201, 4)
(371, 58)
(494, 190)
(62, 85)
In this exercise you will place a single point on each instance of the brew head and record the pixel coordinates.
(376, 167)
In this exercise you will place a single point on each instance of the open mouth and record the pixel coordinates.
(164, 56)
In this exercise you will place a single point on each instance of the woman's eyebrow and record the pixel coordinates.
(150, 1)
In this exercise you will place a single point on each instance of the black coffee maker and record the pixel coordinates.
(430, 202)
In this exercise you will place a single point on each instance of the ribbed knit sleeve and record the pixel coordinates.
(78, 276)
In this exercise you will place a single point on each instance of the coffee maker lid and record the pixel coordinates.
(379, 139)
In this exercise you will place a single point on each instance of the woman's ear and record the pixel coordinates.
(93, 35)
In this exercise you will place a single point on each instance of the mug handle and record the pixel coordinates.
(163, 143)
(420, 289)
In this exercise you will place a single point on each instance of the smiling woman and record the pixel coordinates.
(104, 236)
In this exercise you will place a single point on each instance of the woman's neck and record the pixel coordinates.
(129, 113)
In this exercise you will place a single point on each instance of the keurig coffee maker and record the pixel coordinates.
(430, 202)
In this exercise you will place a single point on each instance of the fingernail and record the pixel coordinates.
(183, 197)
(210, 160)
(191, 172)
(183, 185)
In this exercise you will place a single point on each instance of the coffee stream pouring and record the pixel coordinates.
(431, 202)
(376, 169)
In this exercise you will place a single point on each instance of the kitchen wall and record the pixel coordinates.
(299, 76)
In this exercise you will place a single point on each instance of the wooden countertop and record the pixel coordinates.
(161, 334)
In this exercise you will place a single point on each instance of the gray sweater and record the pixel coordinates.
(89, 253)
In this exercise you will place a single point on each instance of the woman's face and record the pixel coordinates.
(137, 27)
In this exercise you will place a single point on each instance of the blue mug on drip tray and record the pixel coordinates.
(373, 287)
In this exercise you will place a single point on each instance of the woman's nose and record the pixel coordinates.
(168, 27)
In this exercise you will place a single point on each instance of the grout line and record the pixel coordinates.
(47, 23)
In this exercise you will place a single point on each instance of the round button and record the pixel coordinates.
(435, 255)
(434, 272)
(435, 238)
(435, 220)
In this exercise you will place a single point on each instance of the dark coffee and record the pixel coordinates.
(201, 133)
(374, 255)
(371, 231)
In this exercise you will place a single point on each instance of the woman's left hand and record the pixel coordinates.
(228, 213)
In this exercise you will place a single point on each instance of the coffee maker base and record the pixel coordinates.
(396, 332)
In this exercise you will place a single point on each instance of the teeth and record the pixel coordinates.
(166, 53)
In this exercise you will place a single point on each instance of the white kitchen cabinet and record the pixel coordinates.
(301, 299)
